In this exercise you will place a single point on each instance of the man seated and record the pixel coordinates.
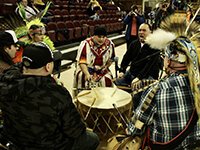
(168, 109)
(94, 57)
(145, 62)
(38, 113)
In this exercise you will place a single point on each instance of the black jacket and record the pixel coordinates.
(38, 113)
(144, 62)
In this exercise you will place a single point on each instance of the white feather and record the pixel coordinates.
(159, 39)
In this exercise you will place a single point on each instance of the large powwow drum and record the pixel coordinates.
(96, 108)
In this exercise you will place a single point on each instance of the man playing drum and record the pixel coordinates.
(144, 61)
(94, 57)
(169, 108)
(39, 113)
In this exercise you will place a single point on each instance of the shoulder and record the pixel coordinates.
(48, 90)
(174, 80)
(135, 43)
(108, 41)
(89, 41)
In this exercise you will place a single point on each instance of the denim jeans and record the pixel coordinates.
(125, 80)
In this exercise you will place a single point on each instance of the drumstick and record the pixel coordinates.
(114, 105)
(90, 108)
(115, 89)
(82, 94)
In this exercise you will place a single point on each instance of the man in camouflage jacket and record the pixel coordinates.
(38, 113)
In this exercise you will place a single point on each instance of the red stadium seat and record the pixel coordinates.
(77, 30)
(62, 32)
(84, 29)
(70, 28)
(51, 31)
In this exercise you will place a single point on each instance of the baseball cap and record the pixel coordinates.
(38, 54)
(8, 37)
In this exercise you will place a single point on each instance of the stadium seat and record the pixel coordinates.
(51, 31)
(62, 32)
(84, 29)
(70, 28)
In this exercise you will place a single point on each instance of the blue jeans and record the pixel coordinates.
(125, 80)
(87, 141)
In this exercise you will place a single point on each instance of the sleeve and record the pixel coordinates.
(140, 20)
(81, 53)
(146, 117)
(127, 19)
(113, 51)
(128, 57)
(72, 125)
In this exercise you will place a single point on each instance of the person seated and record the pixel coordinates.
(168, 109)
(93, 7)
(96, 15)
(41, 114)
(36, 33)
(37, 5)
(144, 61)
(94, 57)
(25, 11)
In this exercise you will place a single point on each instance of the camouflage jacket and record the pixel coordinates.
(38, 113)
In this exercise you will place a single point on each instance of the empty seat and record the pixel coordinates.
(9, 1)
(65, 15)
(62, 32)
(77, 30)
(70, 28)
(84, 29)
(7, 8)
(51, 31)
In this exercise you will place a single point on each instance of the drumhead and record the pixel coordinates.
(104, 97)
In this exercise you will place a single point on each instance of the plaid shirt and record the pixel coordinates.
(169, 111)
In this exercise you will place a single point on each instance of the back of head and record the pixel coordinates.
(38, 58)
(100, 30)
(37, 55)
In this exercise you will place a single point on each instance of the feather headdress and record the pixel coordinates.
(21, 25)
(175, 35)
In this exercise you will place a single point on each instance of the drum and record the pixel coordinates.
(96, 106)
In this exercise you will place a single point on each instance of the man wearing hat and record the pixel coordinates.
(8, 48)
(94, 57)
(169, 109)
(38, 113)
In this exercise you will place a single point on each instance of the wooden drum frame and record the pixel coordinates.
(97, 110)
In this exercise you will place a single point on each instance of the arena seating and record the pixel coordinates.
(68, 21)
